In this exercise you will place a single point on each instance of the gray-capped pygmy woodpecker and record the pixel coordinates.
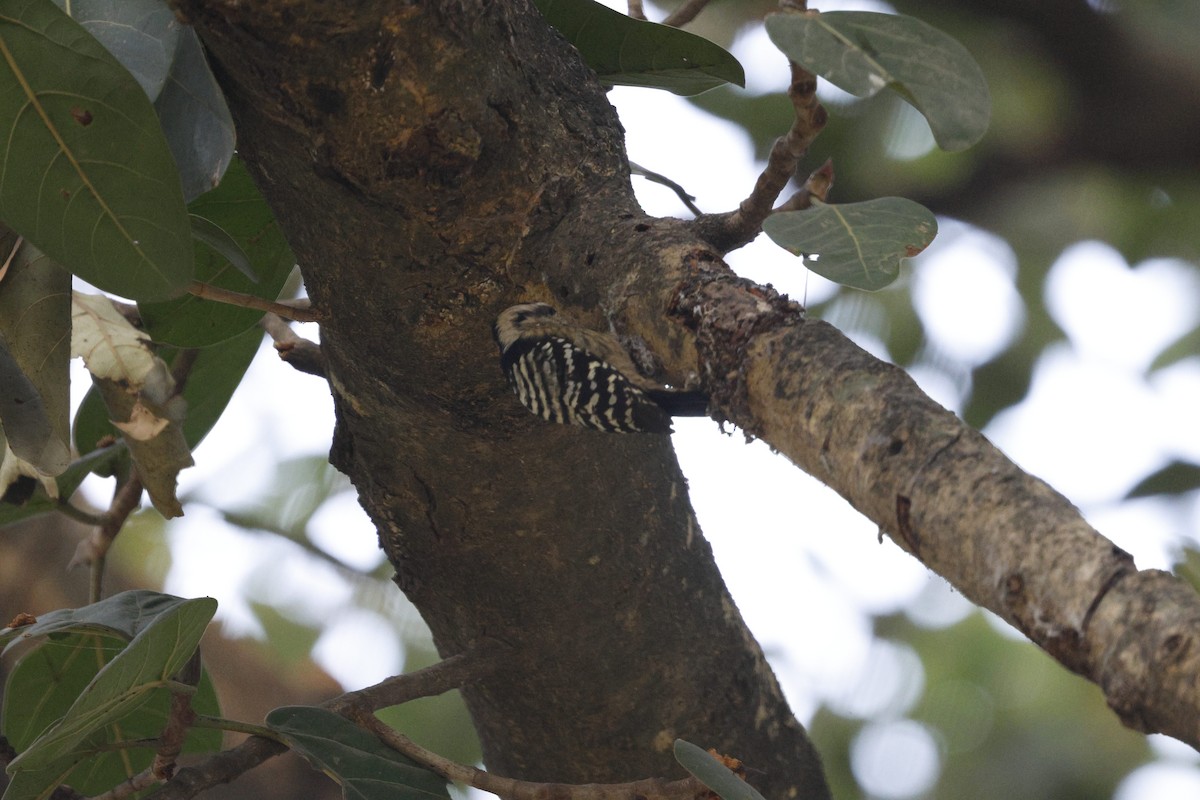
(571, 375)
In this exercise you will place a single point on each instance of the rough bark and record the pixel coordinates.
(433, 163)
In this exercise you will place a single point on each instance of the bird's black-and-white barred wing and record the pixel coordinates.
(560, 382)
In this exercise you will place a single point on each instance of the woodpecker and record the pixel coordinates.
(571, 375)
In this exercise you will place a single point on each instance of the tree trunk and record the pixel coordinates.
(433, 163)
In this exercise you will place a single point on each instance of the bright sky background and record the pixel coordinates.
(1092, 426)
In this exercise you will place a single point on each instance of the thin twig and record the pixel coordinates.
(181, 367)
(654, 177)
(734, 229)
(453, 672)
(64, 507)
(94, 549)
(685, 13)
(301, 353)
(223, 767)
(449, 673)
(235, 726)
(180, 717)
(815, 188)
(220, 768)
(512, 789)
(249, 521)
(297, 312)
(143, 780)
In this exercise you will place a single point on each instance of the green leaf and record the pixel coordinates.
(168, 62)
(35, 321)
(299, 487)
(1189, 567)
(712, 773)
(1185, 346)
(364, 767)
(864, 52)
(238, 208)
(102, 462)
(214, 236)
(88, 177)
(39, 784)
(215, 375)
(141, 34)
(25, 420)
(91, 424)
(46, 681)
(1175, 478)
(124, 615)
(858, 244)
(125, 683)
(633, 52)
(44, 684)
(195, 119)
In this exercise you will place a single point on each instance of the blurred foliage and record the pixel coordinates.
(1189, 567)
(141, 551)
(1175, 478)
(298, 487)
(1008, 720)
(1068, 157)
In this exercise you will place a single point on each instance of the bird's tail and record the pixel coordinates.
(681, 404)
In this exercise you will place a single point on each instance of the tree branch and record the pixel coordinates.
(180, 718)
(301, 353)
(447, 674)
(655, 177)
(685, 13)
(512, 789)
(293, 311)
(733, 229)
(435, 679)
(815, 188)
(93, 550)
(129, 787)
(486, 193)
(942, 492)
(217, 769)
